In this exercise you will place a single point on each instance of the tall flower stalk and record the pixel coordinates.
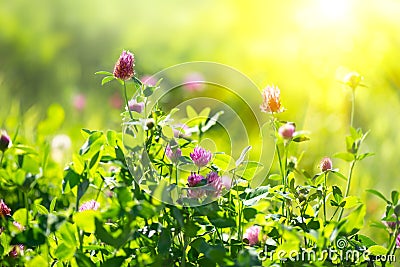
(353, 80)
(123, 71)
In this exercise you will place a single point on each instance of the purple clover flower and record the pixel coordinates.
(90, 205)
(287, 130)
(194, 179)
(200, 156)
(252, 235)
(326, 164)
(215, 181)
(133, 105)
(124, 67)
(173, 153)
(5, 141)
(4, 209)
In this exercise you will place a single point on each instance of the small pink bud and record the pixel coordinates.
(287, 130)
(173, 153)
(135, 106)
(149, 80)
(5, 141)
(227, 182)
(194, 82)
(4, 209)
(252, 235)
(16, 251)
(326, 164)
(79, 102)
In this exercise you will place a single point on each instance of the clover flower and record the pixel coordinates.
(196, 192)
(252, 235)
(5, 141)
(90, 205)
(287, 130)
(18, 225)
(16, 251)
(194, 179)
(194, 82)
(4, 209)
(133, 105)
(398, 241)
(215, 181)
(124, 67)
(173, 153)
(149, 80)
(226, 181)
(79, 102)
(271, 100)
(326, 164)
(392, 224)
(200, 156)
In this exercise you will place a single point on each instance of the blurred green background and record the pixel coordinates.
(50, 50)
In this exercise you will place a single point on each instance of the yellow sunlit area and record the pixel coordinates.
(51, 50)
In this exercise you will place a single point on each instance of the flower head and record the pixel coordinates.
(226, 181)
(4, 209)
(194, 82)
(287, 130)
(181, 130)
(271, 100)
(353, 80)
(173, 153)
(135, 106)
(398, 241)
(200, 156)
(196, 192)
(252, 235)
(149, 80)
(79, 102)
(326, 164)
(124, 67)
(215, 181)
(194, 179)
(5, 141)
(18, 225)
(16, 250)
(90, 205)
(392, 224)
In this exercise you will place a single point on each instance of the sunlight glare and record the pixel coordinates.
(334, 10)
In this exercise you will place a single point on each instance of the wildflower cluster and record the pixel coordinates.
(154, 195)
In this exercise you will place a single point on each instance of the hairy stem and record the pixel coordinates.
(126, 101)
(346, 194)
(353, 102)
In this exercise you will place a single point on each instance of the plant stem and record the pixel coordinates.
(1, 159)
(353, 163)
(176, 174)
(324, 196)
(240, 235)
(353, 101)
(126, 101)
(27, 208)
(393, 244)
